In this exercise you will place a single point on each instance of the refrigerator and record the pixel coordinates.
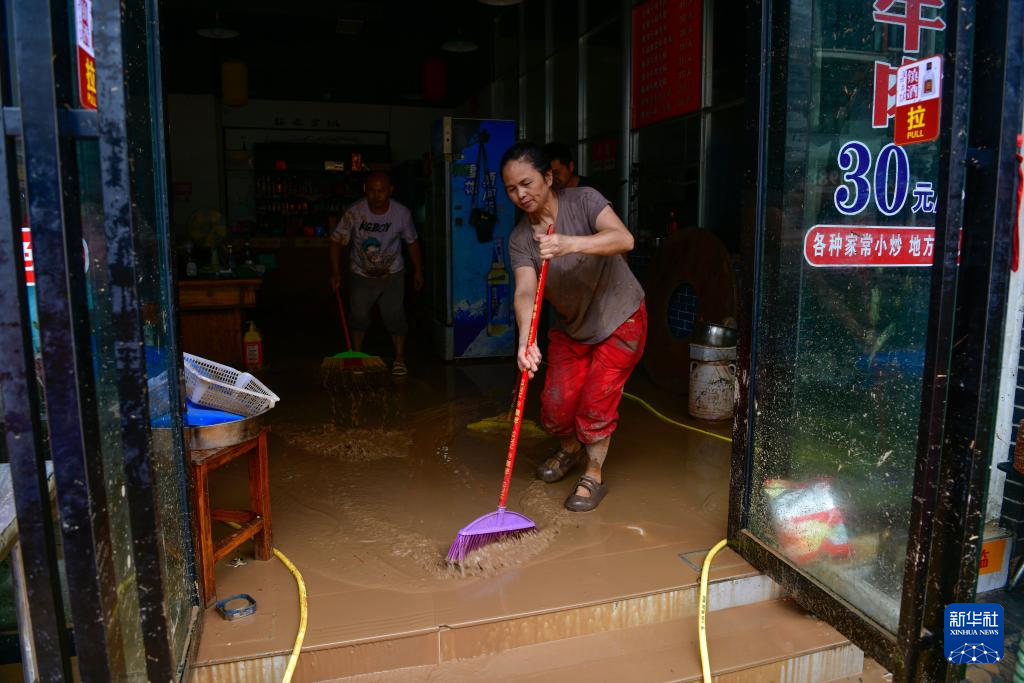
(472, 216)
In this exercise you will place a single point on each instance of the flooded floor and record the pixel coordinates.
(367, 513)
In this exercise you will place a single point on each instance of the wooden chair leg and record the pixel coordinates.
(204, 535)
(259, 497)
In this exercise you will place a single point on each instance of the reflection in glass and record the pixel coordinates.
(840, 350)
(153, 269)
(125, 625)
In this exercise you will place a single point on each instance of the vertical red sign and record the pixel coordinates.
(26, 251)
(666, 73)
(918, 104)
(86, 55)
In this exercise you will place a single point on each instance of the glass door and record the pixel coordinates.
(854, 256)
(87, 317)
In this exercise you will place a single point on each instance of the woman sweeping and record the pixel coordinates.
(602, 321)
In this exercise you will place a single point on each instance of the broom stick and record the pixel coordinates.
(524, 378)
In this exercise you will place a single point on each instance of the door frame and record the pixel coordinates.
(967, 308)
(41, 108)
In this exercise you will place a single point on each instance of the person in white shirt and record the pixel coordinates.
(373, 230)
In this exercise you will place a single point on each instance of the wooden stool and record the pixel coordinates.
(255, 522)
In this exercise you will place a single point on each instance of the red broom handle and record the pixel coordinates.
(344, 322)
(524, 378)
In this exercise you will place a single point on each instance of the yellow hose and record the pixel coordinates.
(705, 664)
(293, 660)
(669, 420)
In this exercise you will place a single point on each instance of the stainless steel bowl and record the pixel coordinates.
(224, 434)
(710, 334)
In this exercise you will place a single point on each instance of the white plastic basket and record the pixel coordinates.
(222, 387)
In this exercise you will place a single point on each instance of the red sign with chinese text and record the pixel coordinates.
(26, 251)
(86, 56)
(910, 14)
(854, 246)
(918, 101)
(666, 73)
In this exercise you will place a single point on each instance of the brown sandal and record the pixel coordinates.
(558, 465)
(575, 503)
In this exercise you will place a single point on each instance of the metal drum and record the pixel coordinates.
(712, 382)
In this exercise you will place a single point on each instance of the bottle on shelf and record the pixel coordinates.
(253, 343)
(191, 267)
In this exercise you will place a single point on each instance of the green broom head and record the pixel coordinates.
(351, 354)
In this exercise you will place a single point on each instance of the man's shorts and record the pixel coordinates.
(388, 292)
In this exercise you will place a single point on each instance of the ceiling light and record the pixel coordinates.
(217, 32)
(459, 45)
(348, 27)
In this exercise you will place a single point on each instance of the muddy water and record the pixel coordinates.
(375, 503)
(346, 445)
(391, 499)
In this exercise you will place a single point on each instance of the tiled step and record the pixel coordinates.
(482, 637)
(767, 641)
(873, 673)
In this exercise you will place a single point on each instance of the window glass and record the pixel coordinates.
(564, 23)
(728, 75)
(534, 33)
(600, 11)
(153, 265)
(125, 625)
(604, 82)
(724, 163)
(506, 42)
(535, 104)
(565, 95)
(843, 312)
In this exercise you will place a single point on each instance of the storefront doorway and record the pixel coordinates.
(176, 170)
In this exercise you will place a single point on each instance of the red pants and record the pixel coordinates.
(584, 382)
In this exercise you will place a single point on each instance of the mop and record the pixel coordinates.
(351, 368)
(497, 526)
(502, 423)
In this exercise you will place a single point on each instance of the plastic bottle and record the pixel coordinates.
(191, 267)
(253, 342)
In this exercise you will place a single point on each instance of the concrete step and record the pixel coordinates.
(772, 640)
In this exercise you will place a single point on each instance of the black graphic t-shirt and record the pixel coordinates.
(376, 238)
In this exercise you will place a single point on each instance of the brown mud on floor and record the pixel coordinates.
(348, 445)
(368, 516)
(367, 481)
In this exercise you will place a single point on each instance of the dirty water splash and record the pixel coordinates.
(348, 445)
(363, 399)
(537, 504)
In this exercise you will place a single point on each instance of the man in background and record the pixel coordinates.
(563, 167)
(373, 230)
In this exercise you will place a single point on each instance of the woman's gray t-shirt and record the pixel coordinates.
(592, 295)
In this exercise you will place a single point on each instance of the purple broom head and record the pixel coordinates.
(492, 527)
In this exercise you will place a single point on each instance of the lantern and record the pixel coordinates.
(234, 83)
(435, 75)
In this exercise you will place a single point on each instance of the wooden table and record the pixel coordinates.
(211, 317)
